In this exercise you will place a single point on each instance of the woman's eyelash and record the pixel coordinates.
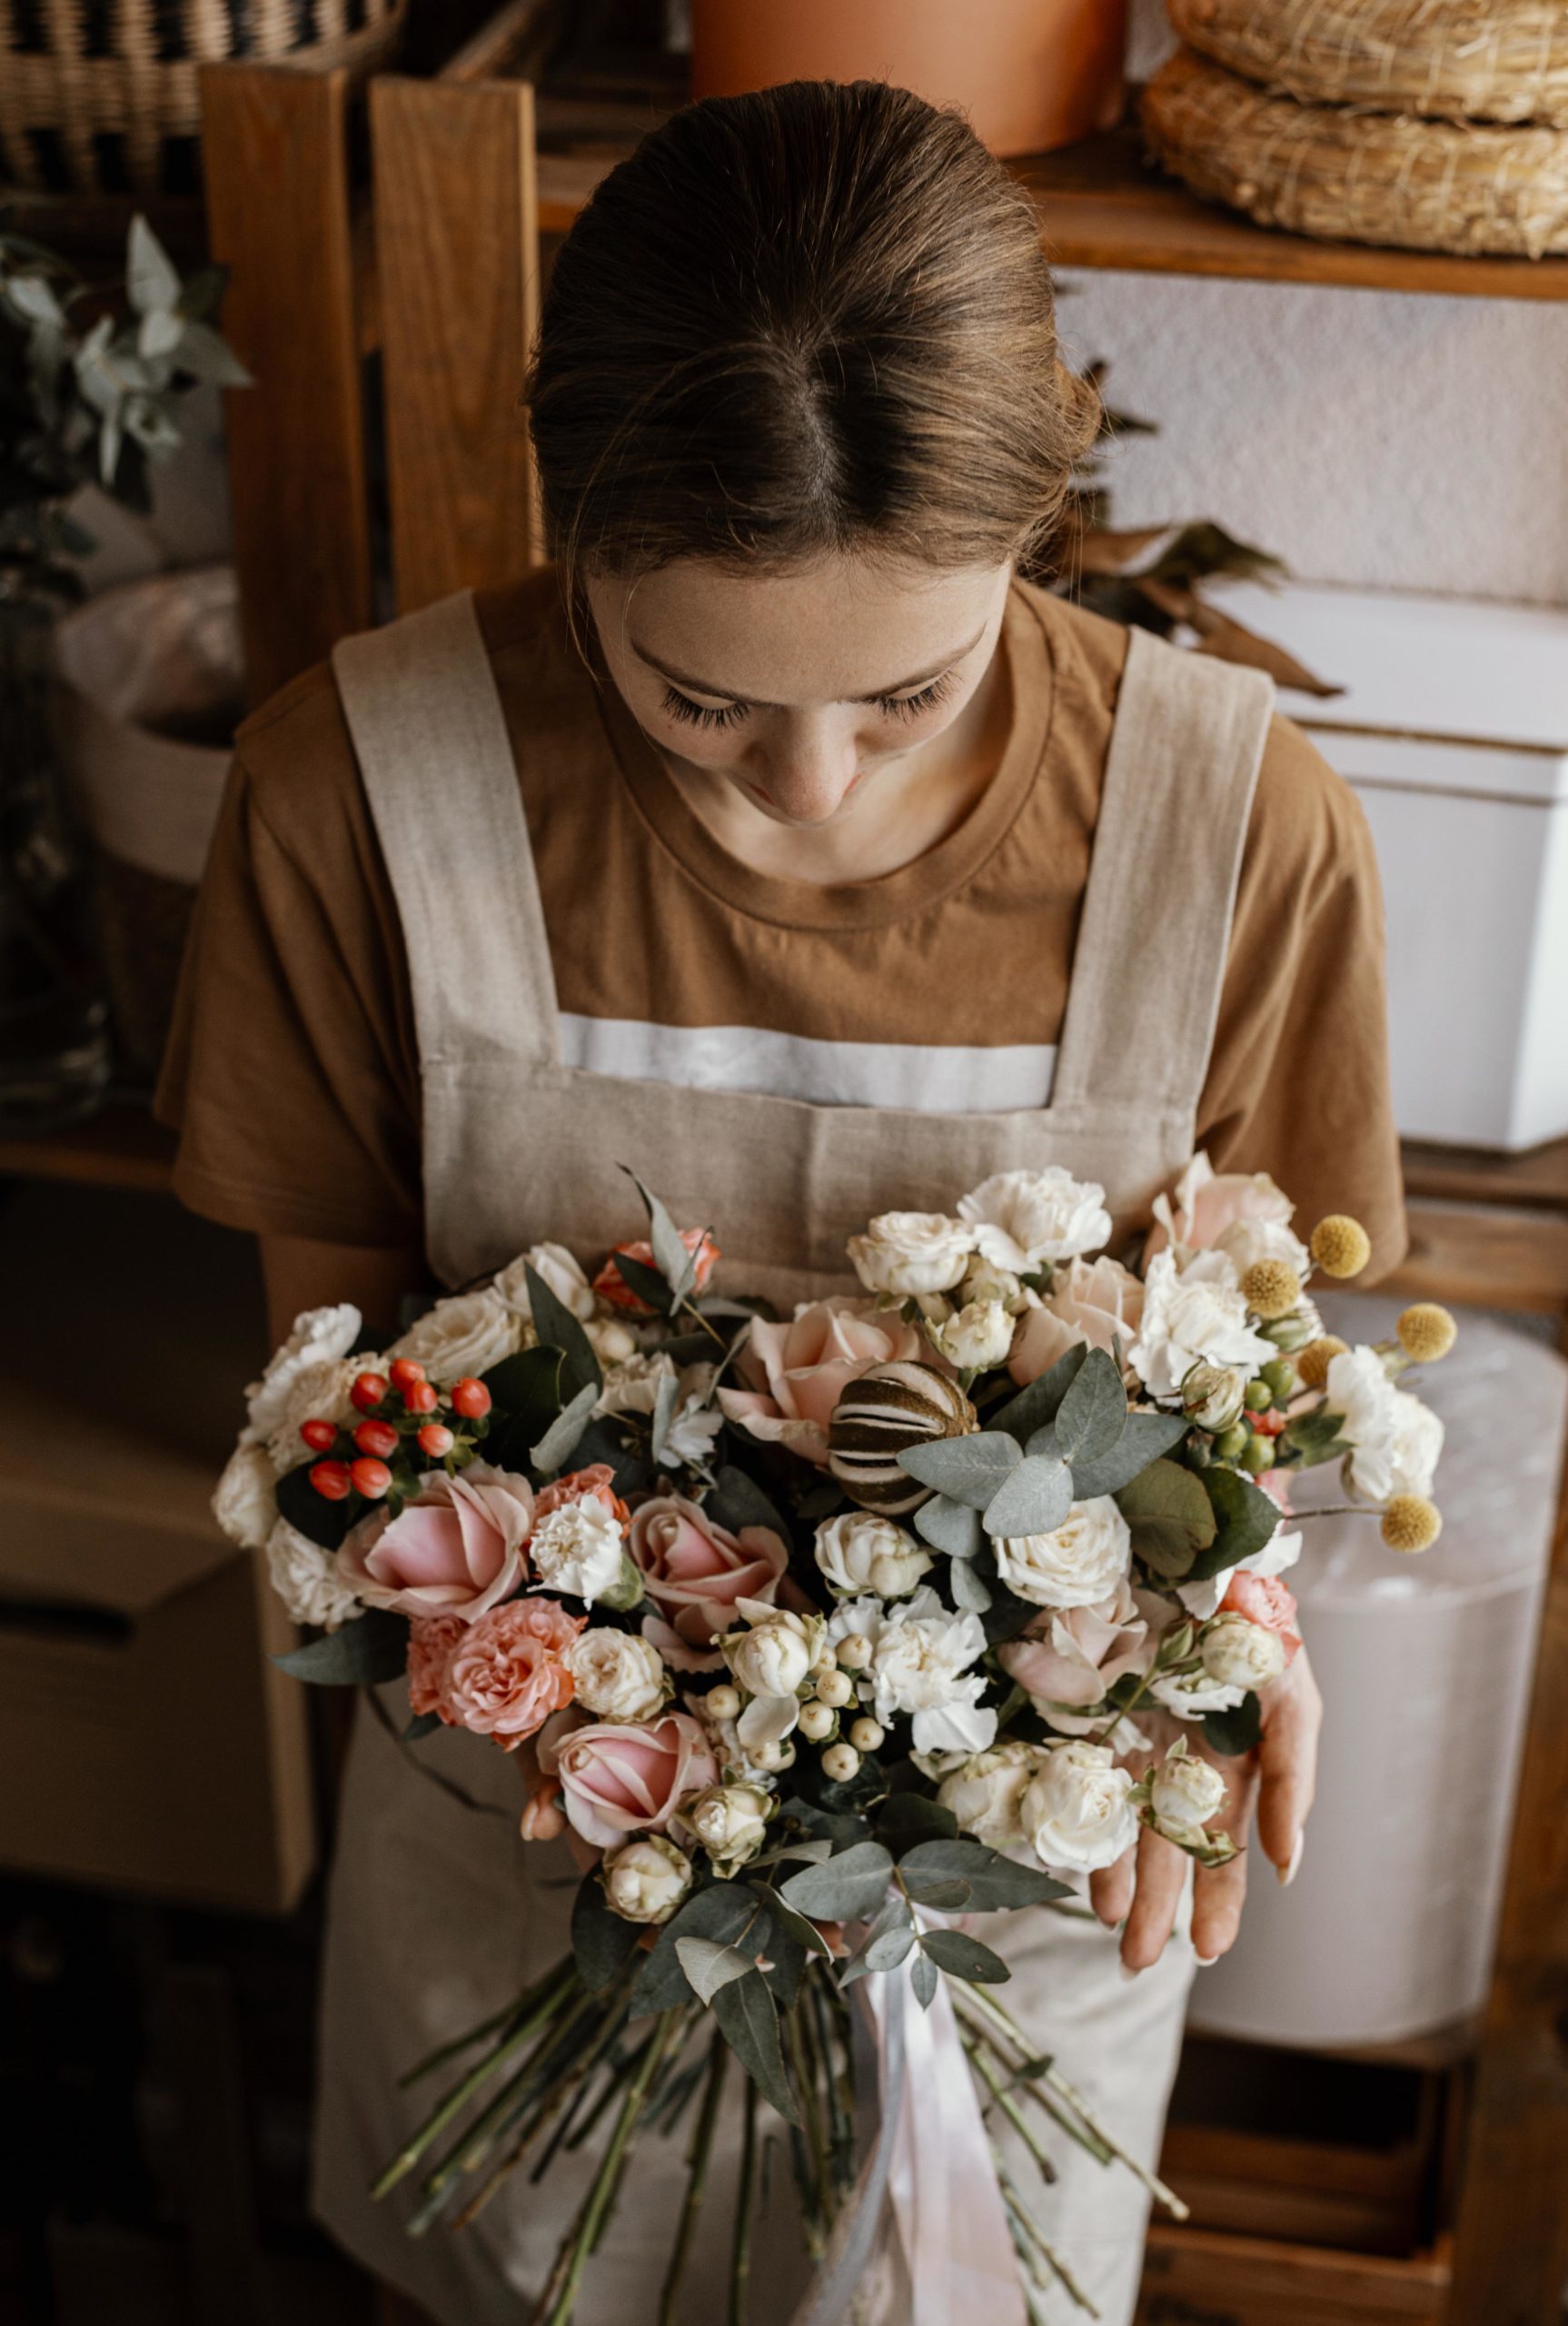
(893, 706)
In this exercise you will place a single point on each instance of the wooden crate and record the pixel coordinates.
(1204, 2278)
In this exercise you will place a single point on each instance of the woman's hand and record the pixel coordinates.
(1142, 1889)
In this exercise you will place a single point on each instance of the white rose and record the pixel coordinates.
(611, 1341)
(861, 1552)
(772, 1658)
(1395, 1439)
(1281, 1552)
(318, 1335)
(465, 1335)
(984, 1282)
(1022, 1218)
(305, 1578)
(245, 1502)
(645, 1879)
(1193, 1312)
(920, 1654)
(557, 1271)
(578, 1549)
(617, 1674)
(1238, 1654)
(1185, 1793)
(1190, 1695)
(317, 1392)
(631, 1387)
(1075, 1812)
(975, 1338)
(907, 1252)
(1081, 1563)
(986, 1792)
(730, 1821)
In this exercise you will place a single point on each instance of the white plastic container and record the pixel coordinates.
(1425, 1666)
(1454, 731)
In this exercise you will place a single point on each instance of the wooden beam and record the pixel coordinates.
(457, 239)
(274, 154)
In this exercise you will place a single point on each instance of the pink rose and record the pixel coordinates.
(694, 1570)
(619, 1779)
(1265, 1601)
(455, 1550)
(505, 1676)
(431, 1641)
(598, 1482)
(612, 1287)
(1071, 1655)
(1097, 1301)
(1206, 1203)
(796, 1371)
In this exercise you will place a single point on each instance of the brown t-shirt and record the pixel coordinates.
(292, 1071)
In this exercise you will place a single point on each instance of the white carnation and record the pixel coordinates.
(318, 1392)
(462, 1335)
(1238, 1654)
(1190, 1313)
(905, 1252)
(617, 1674)
(320, 1334)
(1186, 1793)
(1079, 1564)
(305, 1578)
(1395, 1440)
(1024, 1219)
(645, 1879)
(1076, 1811)
(974, 1337)
(986, 1792)
(611, 1341)
(557, 1270)
(245, 1501)
(578, 1549)
(861, 1552)
(920, 1657)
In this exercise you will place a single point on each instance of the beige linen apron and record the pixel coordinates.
(437, 1911)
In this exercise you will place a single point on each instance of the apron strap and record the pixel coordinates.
(437, 764)
(1154, 935)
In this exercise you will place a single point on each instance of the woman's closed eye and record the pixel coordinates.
(718, 718)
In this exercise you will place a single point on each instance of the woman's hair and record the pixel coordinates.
(813, 319)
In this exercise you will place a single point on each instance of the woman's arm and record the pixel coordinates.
(300, 1273)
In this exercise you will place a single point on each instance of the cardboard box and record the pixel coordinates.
(146, 1740)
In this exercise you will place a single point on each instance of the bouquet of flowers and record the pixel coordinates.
(826, 1633)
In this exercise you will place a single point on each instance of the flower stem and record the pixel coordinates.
(556, 1993)
(697, 2169)
(745, 2198)
(1009, 2107)
(559, 2297)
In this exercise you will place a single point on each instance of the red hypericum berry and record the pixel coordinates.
(319, 1436)
(368, 1389)
(469, 1398)
(371, 1478)
(419, 1398)
(435, 1439)
(1269, 1425)
(333, 1479)
(377, 1437)
(403, 1371)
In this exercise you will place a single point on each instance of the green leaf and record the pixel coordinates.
(1041, 1401)
(675, 1264)
(747, 2017)
(319, 1521)
(558, 1328)
(923, 1977)
(905, 1818)
(647, 1283)
(708, 1965)
(603, 1942)
(423, 1724)
(885, 1944)
(971, 1592)
(955, 1950)
(1170, 1518)
(949, 1525)
(969, 1469)
(1232, 1733)
(1247, 1518)
(666, 1397)
(555, 1446)
(1144, 1439)
(721, 1911)
(1093, 1411)
(806, 1935)
(527, 1398)
(850, 1887)
(373, 1648)
(993, 1881)
(1033, 1500)
(737, 1501)
(1314, 1437)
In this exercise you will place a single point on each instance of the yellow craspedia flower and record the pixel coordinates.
(1340, 1245)
(1411, 1523)
(1426, 1332)
(1271, 1289)
(1312, 1363)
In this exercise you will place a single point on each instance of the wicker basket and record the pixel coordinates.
(1459, 60)
(1358, 177)
(103, 99)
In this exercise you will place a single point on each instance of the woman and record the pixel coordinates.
(797, 854)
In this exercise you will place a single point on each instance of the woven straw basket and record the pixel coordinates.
(1459, 60)
(1349, 176)
(100, 96)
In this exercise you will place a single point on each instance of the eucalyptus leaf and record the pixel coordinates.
(956, 1950)
(737, 1501)
(721, 1911)
(971, 1592)
(559, 1440)
(905, 1819)
(1041, 1402)
(675, 1264)
(666, 1397)
(710, 1964)
(806, 1935)
(889, 1939)
(1034, 1499)
(849, 1888)
(969, 1469)
(1093, 1411)
(1170, 1517)
(526, 1401)
(373, 1648)
(1145, 1438)
(645, 1282)
(949, 1525)
(1235, 1732)
(923, 1977)
(994, 1882)
(1247, 1518)
(603, 1942)
(748, 2020)
(557, 1327)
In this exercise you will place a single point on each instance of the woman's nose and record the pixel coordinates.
(808, 770)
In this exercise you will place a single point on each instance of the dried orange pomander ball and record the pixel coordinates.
(1312, 1363)
(1271, 1289)
(1411, 1523)
(1340, 1245)
(1426, 1332)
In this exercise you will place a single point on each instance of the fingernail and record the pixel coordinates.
(1127, 1973)
(1287, 1873)
(1205, 1961)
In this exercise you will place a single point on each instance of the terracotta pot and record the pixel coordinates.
(1029, 74)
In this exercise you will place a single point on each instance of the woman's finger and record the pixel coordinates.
(1157, 1898)
(1111, 1890)
(1219, 1892)
(1287, 1764)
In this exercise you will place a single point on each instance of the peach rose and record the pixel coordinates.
(455, 1550)
(431, 1641)
(1265, 1601)
(1071, 1655)
(505, 1676)
(612, 1287)
(694, 1570)
(597, 1481)
(1097, 1301)
(1243, 1213)
(618, 1779)
(796, 1371)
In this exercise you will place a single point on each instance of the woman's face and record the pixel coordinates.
(799, 687)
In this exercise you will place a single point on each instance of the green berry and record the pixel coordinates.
(1233, 1443)
(1257, 1454)
(1259, 1396)
(1280, 1375)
